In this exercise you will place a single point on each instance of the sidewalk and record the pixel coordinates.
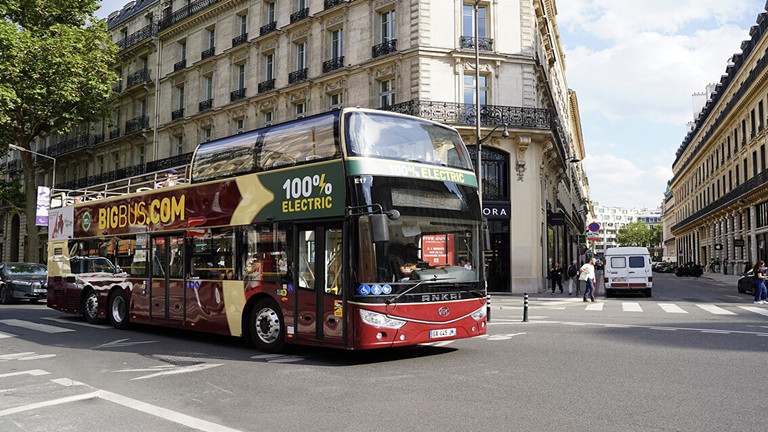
(719, 277)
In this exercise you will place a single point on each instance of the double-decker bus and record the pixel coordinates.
(354, 228)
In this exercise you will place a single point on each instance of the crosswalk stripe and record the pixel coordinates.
(631, 307)
(34, 326)
(595, 306)
(755, 309)
(715, 310)
(6, 335)
(80, 323)
(671, 308)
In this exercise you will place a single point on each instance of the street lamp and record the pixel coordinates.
(53, 176)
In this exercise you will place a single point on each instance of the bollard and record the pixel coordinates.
(488, 308)
(525, 307)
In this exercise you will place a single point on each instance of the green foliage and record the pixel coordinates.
(11, 195)
(634, 234)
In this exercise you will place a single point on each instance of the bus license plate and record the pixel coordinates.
(619, 279)
(442, 333)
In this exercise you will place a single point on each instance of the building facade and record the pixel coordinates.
(719, 185)
(206, 69)
(612, 218)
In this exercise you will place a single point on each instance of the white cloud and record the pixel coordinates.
(620, 182)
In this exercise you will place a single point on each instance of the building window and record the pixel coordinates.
(269, 12)
(211, 38)
(387, 20)
(468, 21)
(207, 134)
(115, 161)
(101, 164)
(208, 87)
(336, 101)
(337, 44)
(183, 51)
(241, 76)
(386, 92)
(301, 55)
(268, 118)
(269, 66)
(179, 145)
(301, 110)
(469, 89)
(180, 104)
(243, 24)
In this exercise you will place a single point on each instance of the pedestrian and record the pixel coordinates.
(573, 271)
(587, 274)
(556, 275)
(761, 274)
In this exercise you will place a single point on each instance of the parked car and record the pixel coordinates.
(23, 281)
(746, 284)
(689, 269)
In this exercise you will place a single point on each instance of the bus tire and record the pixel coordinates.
(266, 326)
(117, 310)
(91, 307)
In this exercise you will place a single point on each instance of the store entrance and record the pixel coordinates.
(497, 262)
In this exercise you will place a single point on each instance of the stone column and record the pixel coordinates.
(752, 236)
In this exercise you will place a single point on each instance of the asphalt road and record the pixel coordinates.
(692, 357)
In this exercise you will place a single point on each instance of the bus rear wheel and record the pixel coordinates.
(266, 326)
(118, 310)
(91, 307)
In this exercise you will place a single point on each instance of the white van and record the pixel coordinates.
(628, 269)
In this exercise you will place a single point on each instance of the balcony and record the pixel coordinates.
(185, 12)
(296, 76)
(483, 44)
(239, 39)
(385, 48)
(267, 28)
(138, 77)
(136, 124)
(179, 113)
(70, 145)
(137, 37)
(299, 15)
(118, 88)
(114, 133)
(14, 165)
(237, 95)
(180, 65)
(210, 52)
(333, 64)
(267, 85)
(205, 105)
(331, 3)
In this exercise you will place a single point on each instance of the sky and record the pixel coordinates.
(634, 66)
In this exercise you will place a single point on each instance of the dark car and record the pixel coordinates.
(689, 269)
(23, 281)
(747, 283)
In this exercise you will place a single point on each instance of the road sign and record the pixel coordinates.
(594, 227)
(593, 236)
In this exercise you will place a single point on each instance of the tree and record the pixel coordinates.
(56, 73)
(634, 234)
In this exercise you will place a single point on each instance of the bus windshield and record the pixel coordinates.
(391, 137)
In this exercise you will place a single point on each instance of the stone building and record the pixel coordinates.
(719, 185)
(192, 71)
(613, 218)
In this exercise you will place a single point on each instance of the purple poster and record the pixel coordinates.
(43, 203)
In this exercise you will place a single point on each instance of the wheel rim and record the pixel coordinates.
(92, 305)
(267, 325)
(118, 309)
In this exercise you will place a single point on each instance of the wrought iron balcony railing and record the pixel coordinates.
(333, 64)
(239, 39)
(138, 77)
(331, 3)
(137, 37)
(179, 113)
(296, 76)
(206, 104)
(14, 165)
(136, 124)
(210, 52)
(73, 144)
(185, 12)
(267, 85)
(237, 95)
(114, 133)
(384, 48)
(181, 64)
(299, 15)
(268, 28)
(483, 44)
(118, 88)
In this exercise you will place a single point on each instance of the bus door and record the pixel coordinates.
(167, 283)
(319, 314)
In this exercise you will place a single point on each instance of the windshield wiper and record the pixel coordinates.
(434, 279)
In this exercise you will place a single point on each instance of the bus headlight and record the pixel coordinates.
(380, 320)
(479, 314)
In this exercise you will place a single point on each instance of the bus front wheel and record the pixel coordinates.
(266, 326)
(91, 307)
(118, 310)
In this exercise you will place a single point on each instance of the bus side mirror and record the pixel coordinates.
(379, 228)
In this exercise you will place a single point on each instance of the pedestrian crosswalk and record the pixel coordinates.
(637, 307)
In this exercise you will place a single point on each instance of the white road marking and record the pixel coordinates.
(152, 369)
(595, 306)
(37, 357)
(80, 323)
(671, 308)
(757, 310)
(286, 359)
(443, 343)
(181, 370)
(504, 336)
(633, 326)
(6, 335)
(715, 309)
(15, 355)
(631, 307)
(48, 403)
(35, 326)
(121, 343)
(33, 372)
(66, 382)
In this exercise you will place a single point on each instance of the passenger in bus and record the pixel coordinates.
(171, 179)
(230, 274)
(254, 269)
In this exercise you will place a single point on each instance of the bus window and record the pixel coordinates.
(212, 254)
(333, 263)
(266, 254)
(306, 140)
(307, 259)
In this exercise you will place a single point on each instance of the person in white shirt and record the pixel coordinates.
(587, 274)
